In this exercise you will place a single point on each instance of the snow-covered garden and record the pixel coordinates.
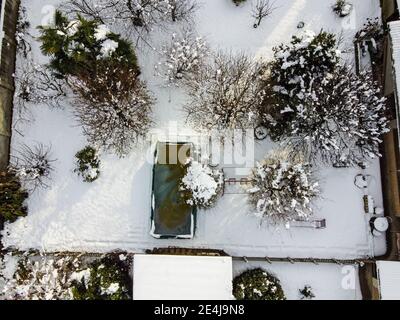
(96, 91)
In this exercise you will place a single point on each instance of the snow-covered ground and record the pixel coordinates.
(114, 211)
(328, 281)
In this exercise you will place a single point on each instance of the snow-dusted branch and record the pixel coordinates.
(261, 10)
(33, 165)
(184, 56)
(226, 93)
(114, 107)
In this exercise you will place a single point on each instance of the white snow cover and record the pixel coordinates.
(108, 47)
(114, 211)
(101, 32)
(327, 281)
(389, 279)
(167, 277)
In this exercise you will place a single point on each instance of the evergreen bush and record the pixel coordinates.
(88, 164)
(109, 280)
(257, 284)
(79, 45)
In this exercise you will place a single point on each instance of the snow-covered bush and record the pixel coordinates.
(33, 165)
(42, 278)
(105, 279)
(282, 189)
(304, 62)
(257, 284)
(238, 2)
(183, 57)
(226, 93)
(340, 119)
(88, 164)
(12, 197)
(342, 8)
(201, 186)
(77, 46)
(35, 84)
(114, 107)
(306, 293)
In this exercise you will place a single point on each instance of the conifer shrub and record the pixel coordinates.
(257, 284)
(12, 197)
(88, 164)
(79, 45)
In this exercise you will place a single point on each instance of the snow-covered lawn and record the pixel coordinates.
(114, 211)
(328, 281)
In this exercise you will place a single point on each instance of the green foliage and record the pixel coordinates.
(77, 46)
(12, 197)
(109, 280)
(308, 58)
(257, 284)
(88, 164)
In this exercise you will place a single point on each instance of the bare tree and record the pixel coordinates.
(112, 106)
(35, 84)
(182, 9)
(33, 165)
(261, 10)
(136, 17)
(226, 93)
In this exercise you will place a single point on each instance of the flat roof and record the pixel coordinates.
(389, 279)
(169, 277)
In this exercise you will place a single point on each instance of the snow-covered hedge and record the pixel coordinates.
(43, 278)
(68, 277)
(105, 279)
(77, 46)
(282, 189)
(88, 164)
(257, 284)
(201, 186)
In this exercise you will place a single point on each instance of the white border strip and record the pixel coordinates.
(3, 6)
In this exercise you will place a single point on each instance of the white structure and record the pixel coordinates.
(168, 277)
(389, 279)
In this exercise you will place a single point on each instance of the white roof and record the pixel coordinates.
(389, 279)
(167, 277)
(394, 30)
